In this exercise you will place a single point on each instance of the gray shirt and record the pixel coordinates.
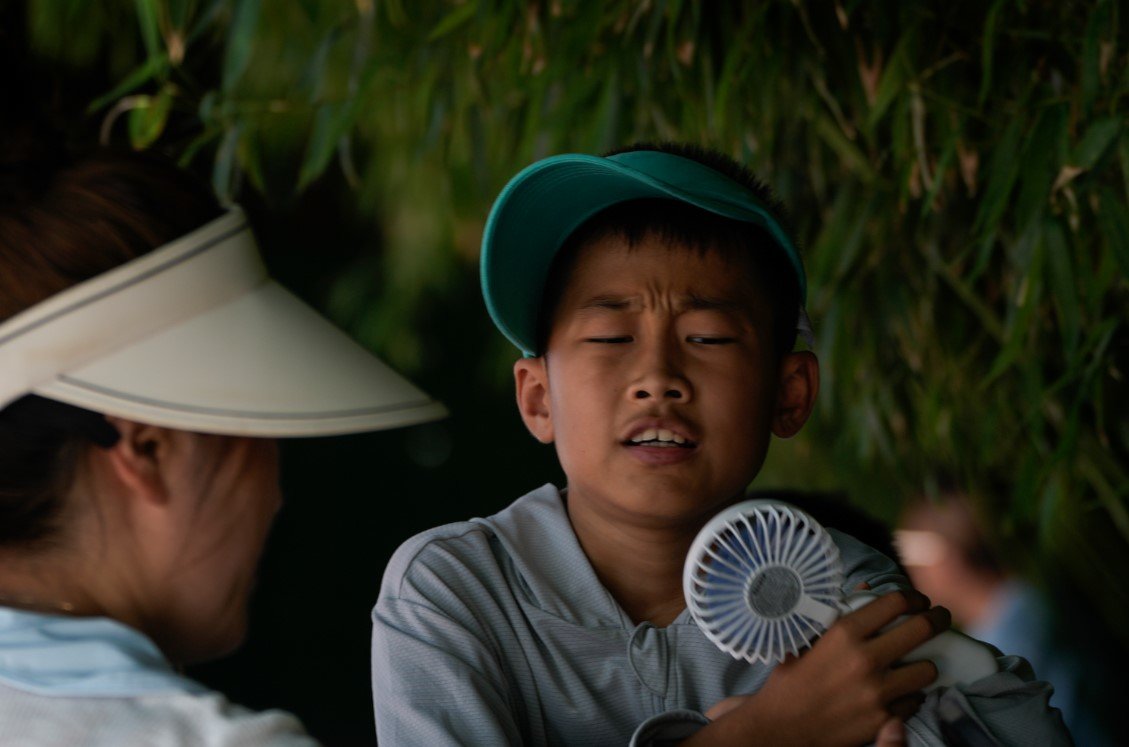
(496, 631)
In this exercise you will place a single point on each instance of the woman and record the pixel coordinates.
(147, 363)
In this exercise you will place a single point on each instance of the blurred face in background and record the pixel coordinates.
(948, 559)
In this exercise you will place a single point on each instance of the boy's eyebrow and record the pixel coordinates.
(688, 302)
(695, 302)
(615, 303)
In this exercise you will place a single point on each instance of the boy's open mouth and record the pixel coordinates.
(660, 437)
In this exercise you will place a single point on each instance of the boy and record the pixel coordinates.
(654, 294)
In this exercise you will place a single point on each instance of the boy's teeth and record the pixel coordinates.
(661, 435)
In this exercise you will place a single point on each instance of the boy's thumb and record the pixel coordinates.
(892, 734)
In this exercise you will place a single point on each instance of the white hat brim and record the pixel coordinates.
(195, 336)
(264, 364)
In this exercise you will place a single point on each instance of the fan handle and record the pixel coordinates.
(959, 659)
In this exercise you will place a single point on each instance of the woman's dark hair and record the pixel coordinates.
(64, 218)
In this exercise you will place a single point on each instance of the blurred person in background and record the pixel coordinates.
(945, 549)
(147, 365)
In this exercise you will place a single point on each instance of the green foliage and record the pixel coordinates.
(958, 171)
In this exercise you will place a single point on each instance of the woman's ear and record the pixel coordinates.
(140, 459)
(795, 397)
(531, 386)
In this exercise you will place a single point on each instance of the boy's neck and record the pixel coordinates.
(641, 566)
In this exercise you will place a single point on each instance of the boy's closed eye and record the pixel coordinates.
(696, 339)
(610, 339)
(711, 339)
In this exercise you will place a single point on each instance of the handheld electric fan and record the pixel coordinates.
(763, 579)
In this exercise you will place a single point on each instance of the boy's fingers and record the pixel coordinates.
(892, 734)
(916, 600)
(909, 678)
(909, 633)
(941, 617)
(906, 706)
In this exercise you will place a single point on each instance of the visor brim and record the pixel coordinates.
(264, 364)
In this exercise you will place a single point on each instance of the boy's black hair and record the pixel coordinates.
(680, 223)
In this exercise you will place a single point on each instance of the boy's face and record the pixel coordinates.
(660, 383)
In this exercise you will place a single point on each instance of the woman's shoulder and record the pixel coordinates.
(212, 719)
(31, 719)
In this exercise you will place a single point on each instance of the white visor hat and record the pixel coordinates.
(194, 335)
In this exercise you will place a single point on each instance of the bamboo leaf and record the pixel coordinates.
(322, 143)
(240, 41)
(1039, 165)
(207, 108)
(988, 49)
(331, 123)
(606, 116)
(313, 77)
(1060, 277)
(1002, 172)
(147, 120)
(453, 20)
(310, 9)
(839, 241)
(148, 14)
(1094, 143)
(178, 13)
(943, 164)
(1090, 62)
(1051, 507)
(153, 67)
(893, 82)
(394, 9)
(1123, 157)
(852, 158)
(205, 20)
(223, 173)
(1113, 219)
(194, 146)
(249, 156)
(1024, 303)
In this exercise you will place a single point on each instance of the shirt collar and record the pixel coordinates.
(58, 655)
(553, 571)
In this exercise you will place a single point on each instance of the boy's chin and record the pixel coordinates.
(661, 503)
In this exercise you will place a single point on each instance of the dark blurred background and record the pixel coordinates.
(957, 173)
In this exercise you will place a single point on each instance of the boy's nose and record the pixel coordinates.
(675, 389)
(660, 379)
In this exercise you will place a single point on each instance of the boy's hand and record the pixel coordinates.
(892, 734)
(846, 688)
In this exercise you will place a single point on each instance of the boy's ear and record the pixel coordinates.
(531, 386)
(795, 397)
(139, 459)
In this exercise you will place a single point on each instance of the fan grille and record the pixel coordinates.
(763, 580)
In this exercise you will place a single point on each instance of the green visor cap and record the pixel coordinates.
(544, 203)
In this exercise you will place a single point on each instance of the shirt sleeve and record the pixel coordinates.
(434, 679)
(667, 729)
(1009, 707)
